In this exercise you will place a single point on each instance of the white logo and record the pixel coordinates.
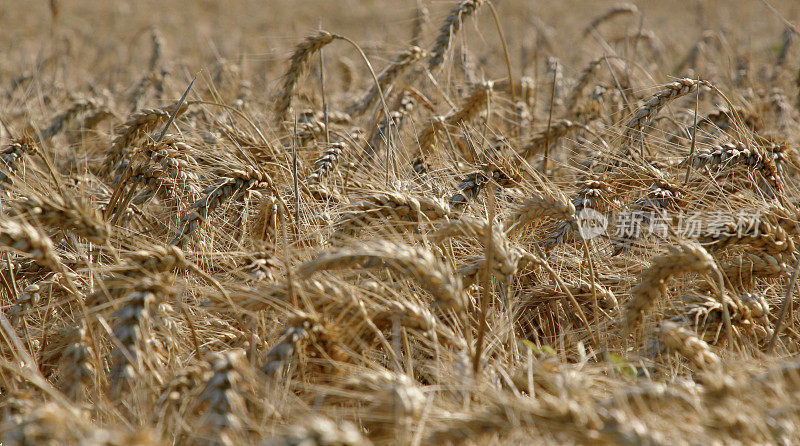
(591, 223)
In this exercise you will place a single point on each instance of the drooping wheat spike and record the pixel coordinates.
(738, 153)
(581, 289)
(265, 226)
(65, 213)
(232, 185)
(417, 263)
(686, 257)
(689, 345)
(221, 399)
(297, 65)
(327, 162)
(176, 158)
(653, 106)
(155, 259)
(752, 265)
(764, 235)
(62, 119)
(261, 267)
(131, 325)
(156, 181)
(140, 123)
(473, 105)
(451, 26)
(23, 238)
(505, 258)
(408, 314)
(705, 313)
(623, 9)
(538, 206)
(398, 65)
(539, 142)
(388, 206)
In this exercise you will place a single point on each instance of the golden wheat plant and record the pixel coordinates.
(399, 223)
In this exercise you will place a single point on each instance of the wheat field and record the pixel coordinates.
(405, 223)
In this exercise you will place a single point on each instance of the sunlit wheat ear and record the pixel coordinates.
(388, 207)
(765, 236)
(265, 226)
(415, 263)
(751, 265)
(408, 314)
(392, 398)
(645, 114)
(452, 24)
(177, 160)
(137, 127)
(539, 206)
(688, 345)
(684, 258)
(23, 238)
(58, 212)
(297, 65)
(748, 313)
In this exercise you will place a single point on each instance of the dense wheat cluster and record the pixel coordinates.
(405, 223)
